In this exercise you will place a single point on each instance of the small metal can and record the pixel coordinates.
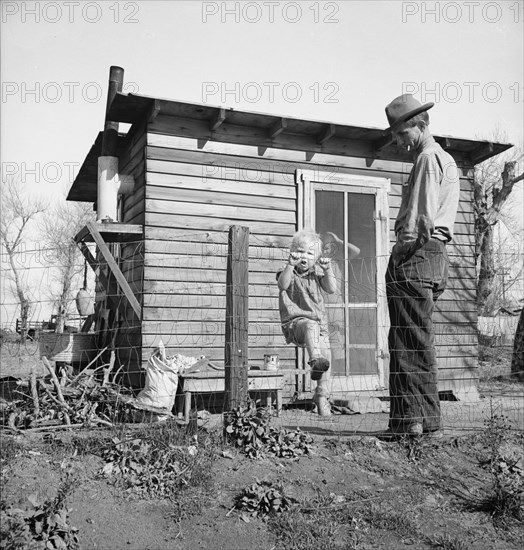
(270, 362)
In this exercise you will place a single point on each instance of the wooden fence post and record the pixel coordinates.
(237, 318)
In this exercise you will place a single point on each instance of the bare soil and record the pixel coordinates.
(349, 492)
(381, 495)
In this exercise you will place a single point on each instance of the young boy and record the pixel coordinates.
(302, 310)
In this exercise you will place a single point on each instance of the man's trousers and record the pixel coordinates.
(412, 289)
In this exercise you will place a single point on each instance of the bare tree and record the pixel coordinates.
(517, 362)
(508, 262)
(58, 227)
(495, 179)
(18, 210)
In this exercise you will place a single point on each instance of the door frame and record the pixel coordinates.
(309, 181)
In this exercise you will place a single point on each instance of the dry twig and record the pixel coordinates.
(34, 392)
(55, 380)
(72, 381)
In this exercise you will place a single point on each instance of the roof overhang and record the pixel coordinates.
(84, 188)
(218, 123)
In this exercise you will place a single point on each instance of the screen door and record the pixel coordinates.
(350, 214)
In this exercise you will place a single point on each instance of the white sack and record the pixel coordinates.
(161, 381)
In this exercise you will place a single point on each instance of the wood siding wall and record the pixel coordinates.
(128, 339)
(195, 190)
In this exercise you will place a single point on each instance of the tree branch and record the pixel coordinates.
(501, 194)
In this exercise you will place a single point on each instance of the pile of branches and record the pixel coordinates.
(85, 400)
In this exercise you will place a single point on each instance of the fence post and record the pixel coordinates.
(237, 318)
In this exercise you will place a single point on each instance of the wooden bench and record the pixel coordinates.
(214, 382)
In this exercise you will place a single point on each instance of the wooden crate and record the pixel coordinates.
(74, 347)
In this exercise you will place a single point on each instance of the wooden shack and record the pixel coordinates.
(200, 169)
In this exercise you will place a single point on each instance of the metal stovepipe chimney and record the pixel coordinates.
(108, 180)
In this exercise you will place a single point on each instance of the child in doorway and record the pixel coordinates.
(302, 310)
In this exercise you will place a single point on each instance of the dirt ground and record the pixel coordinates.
(351, 490)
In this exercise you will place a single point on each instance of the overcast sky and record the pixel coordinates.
(340, 61)
(337, 61)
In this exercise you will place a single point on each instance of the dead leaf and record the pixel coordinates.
(245, 518)
(33, 499)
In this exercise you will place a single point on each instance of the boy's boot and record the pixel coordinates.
(321, 400)
(318, 365)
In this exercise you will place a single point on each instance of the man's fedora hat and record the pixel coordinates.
(402, 108)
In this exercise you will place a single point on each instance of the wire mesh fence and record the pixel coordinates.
(181, 286)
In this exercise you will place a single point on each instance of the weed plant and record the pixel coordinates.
(249, 429)
(447, 542)
(325, 523)
(158, 463)
(506, 500)
(263, 498)
(44, 526)
(9, 448)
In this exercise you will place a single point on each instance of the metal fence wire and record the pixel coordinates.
(86, 378)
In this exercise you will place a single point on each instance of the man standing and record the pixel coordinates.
(418, 269)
